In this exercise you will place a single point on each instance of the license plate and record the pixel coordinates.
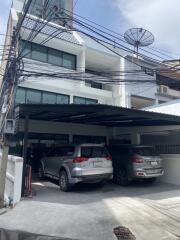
(154, 163)
(97, 164)
(153, 171)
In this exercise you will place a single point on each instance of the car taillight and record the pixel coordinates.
(80, 159)
(137, 159)
(109, 158)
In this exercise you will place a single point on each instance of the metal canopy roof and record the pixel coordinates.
(103, 115)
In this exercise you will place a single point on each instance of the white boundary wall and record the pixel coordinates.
(171, 163)
(13, 179)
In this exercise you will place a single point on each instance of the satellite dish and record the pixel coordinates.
(138, 37)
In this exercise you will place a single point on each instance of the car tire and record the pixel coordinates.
(150, 180)
(122, 177)
(64, 181)
(41, 174)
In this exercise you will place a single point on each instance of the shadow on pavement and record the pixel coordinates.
(18, 235)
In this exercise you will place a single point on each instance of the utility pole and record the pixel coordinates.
(9, 84)
(10, 80)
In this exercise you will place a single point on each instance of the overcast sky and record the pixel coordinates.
(161, 17)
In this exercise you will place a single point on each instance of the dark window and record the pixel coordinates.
(26, 49)
(20, 96)
(25, 95)
(93, 152)
(51, 12)
(67, 151)
(94, 84)
(63, 99)
(144, 151)
(39, 53)
(49, 98)
(49, 55)
(81, 100)
(36, 8)
(33, 96)
(55, 57)
(69, 61)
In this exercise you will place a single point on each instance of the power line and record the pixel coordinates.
(75, 3)
(120, 35)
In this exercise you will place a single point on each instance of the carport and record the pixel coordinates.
(96, 120)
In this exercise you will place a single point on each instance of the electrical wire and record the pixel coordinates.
(114, 32)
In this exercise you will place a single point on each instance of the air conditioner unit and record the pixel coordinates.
(9, 127)
(163, 89)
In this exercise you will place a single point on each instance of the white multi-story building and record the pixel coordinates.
(72, 52)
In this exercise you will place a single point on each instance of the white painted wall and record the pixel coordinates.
(63, 86)
(147, 90)
(13, 179)
(171, 163)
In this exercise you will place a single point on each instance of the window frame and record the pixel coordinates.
(42, 92)
(48, 49)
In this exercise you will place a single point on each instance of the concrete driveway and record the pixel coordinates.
(91, 212)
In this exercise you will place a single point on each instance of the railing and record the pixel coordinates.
(167, 149)
(28, 181)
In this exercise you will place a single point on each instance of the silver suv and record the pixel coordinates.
(135, 161)
(77, 163)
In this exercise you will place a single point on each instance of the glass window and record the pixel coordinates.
(20, 96)
(62, 99)
(39, 53)
(79, 100)
(49, 98)
(94, 152)
(144, 151)
(69, 61)
(55, 57)
(26, 49)
(59, 4)
(91, 101)
(68, 151)
(36, 8)
(33, 96)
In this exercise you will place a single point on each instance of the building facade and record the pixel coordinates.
(74, 53)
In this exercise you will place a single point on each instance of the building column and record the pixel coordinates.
(25, 144)
(136, 138)
(70, 138)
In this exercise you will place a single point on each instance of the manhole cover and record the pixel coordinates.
(123, 233)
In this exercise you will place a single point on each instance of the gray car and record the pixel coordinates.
(135, 162)
(70, 164)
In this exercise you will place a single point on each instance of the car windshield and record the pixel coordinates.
(93, 152)
(144, 151)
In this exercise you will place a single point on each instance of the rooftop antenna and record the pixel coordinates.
(138, 37)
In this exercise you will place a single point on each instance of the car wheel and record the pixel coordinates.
(64, 182)
(41, 173)
(122, 178)
(150, 180)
